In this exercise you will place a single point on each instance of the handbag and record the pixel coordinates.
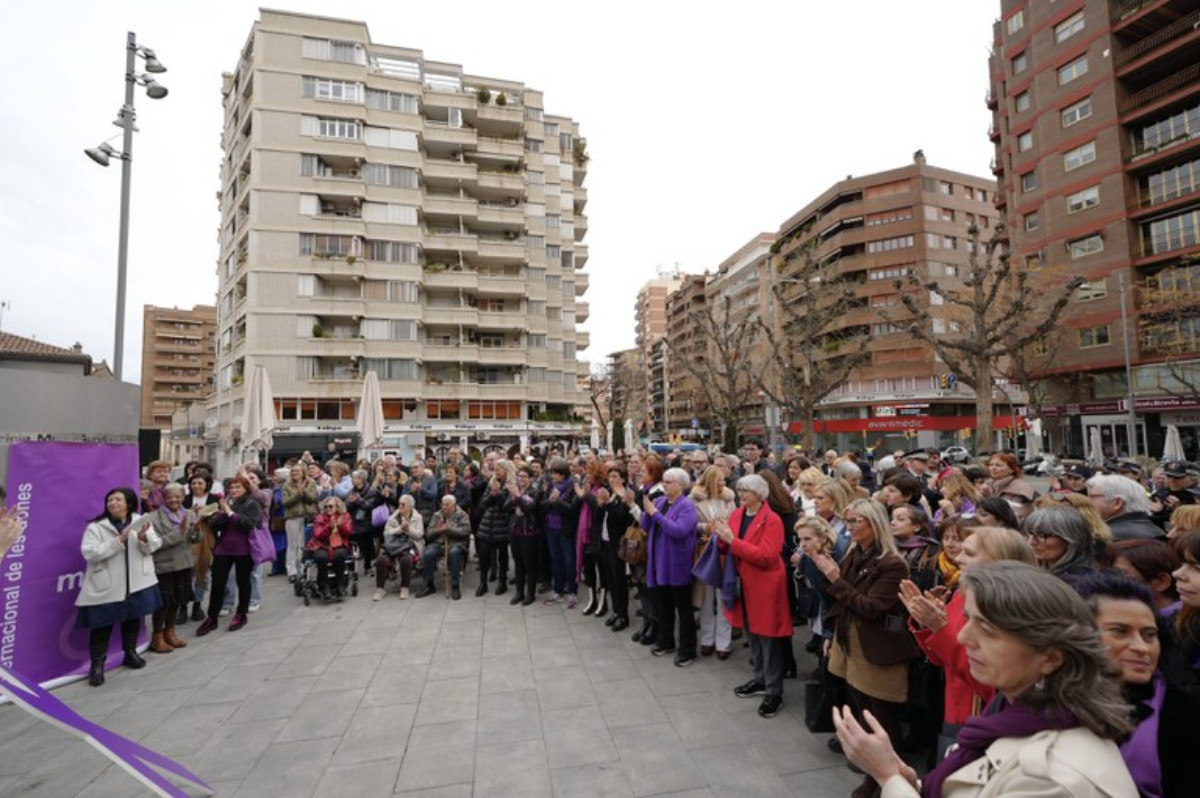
(818, 708)
(380, 515)
(397, 545)
(262, 546)
(708, 569)
(633, 546)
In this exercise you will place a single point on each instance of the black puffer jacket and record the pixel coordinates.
(496, 520)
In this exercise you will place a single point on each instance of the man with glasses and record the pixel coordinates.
(697, 462)
(1124, 506)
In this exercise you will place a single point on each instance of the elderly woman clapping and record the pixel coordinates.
(402, 540)
(670, 524)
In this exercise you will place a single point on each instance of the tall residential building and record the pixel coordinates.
(178, 357)
(739, 287)
(384, 212)
(650, 325)
(881, 228)
(687, 351)
(1096, 109)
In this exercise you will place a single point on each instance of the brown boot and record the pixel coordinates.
(172, 639)
(158, 645)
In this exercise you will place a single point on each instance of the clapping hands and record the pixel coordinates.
(927, 609)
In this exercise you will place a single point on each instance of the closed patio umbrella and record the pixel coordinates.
(258, 423)
(370, 413)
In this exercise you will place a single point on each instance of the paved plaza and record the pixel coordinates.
(430, 697)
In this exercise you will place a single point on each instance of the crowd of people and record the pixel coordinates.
(1002, 641)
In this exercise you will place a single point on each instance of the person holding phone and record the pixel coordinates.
(120, 585)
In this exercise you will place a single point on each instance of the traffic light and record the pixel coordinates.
(944, 381)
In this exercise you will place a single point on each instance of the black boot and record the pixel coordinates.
(482, 589)
(96, 673)
(650, 636)
(517, 598)
(181, 617)
(133, 660)
(502, 584)
(640, 634)
(197, 613)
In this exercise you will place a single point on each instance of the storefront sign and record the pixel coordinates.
(898, 424)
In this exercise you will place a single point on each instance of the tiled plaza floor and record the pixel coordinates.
(429, 697)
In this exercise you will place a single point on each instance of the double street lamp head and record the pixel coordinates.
(154, 89)
(153, 65)
(102, 153)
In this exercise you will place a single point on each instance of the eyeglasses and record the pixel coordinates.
(855, 521)
(331, 507)
(1040, 537)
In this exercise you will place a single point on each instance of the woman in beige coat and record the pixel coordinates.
(119, 586)
(1051, 730)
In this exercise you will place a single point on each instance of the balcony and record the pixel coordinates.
(502, 285)
(445, 205)
(997, 167)
(581, 255)
(510, 182)
(1187, 78)
(583, 339)
(503, 121)
(502, 319)
(506, 248)
(501, 355)
(502, 148)
(450, 315)
(581, 283)
(582, 311)
(508, 213)
(441, 275)
(438, 171)
(990, 100)
(994, 133)
(1184, 27)
(438, 352)
(444, 239)
(442, 133)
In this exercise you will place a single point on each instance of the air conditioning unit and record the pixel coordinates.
(354, 173)
(443, 437)
(355, 212)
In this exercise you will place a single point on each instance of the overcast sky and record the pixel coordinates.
(705, 127)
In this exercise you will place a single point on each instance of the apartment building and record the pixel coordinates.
(650, 325)
(738, 290)
(881, 228)
(178, 359)
(624, 376)
(1096, 122)
(687, 412)
(385, 212)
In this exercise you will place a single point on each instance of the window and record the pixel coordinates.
(890, 273)
(1175, 232)
(1019, 63)
(536, 341)
(945, 187)
(1177, 127)
(501, 410)
(393, 252)
(334, 90)
(1023, 101)
(1025, 141)
(396, 67)
(1075, 69)
(887, 328)
(1015, 22)
(329, 245)
(1031, 222)
(1028, 182)
(330, 128)
(381, 174)
(889, 216)
(1174, 182)
(935, 214)
(1096, 289)
(1082, 200)
(391, 368)
(888, 244)
(533, 145)
(1068, 27)
(397, 102)
(1082, 247)
(1083, 154)
(448, 408)
(388, 330)
(1033, 260)
(1077, 112)
(1090, 337)
(326, 50)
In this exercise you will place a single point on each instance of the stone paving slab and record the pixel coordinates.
(430, 698)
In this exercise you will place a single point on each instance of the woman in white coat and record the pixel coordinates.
(120, 586)
(1050, 731)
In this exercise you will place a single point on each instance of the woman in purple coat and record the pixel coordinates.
(670, 524)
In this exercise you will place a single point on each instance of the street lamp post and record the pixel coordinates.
(102, 154)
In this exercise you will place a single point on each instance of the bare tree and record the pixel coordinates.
(995, 310)
(810, 349)
(1168, 325)
(599, 387)
(722, 365)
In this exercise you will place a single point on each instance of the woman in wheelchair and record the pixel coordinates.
(331, 544)
(402, 539)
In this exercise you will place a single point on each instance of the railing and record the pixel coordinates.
(1178, 28)
(1128, 9)
(1146, 197)
(1141, 150)
(1162, 88)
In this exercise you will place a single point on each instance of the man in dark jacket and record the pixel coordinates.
(1124, 506)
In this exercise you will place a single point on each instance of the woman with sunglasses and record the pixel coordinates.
(332, 530)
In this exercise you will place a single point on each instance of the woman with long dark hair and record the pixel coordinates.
(119, 586)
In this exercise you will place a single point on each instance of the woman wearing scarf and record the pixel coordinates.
(593, 494)
(670, 524)
(173, 561)
(1053, 727)
(1168, 720)
(119, 586)
(240, 515)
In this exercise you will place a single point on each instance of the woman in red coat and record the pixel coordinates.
(331, 544)
(754, 535)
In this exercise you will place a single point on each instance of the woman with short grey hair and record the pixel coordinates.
(1061, 539)
(756, 485)
(682, 477)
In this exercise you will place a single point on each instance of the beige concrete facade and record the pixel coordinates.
(382, 211)
(178, 357)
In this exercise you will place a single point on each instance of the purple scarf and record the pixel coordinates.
(979, 732)
(1140, 751)
(583, 534)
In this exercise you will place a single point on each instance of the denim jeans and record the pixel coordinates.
(562, 562)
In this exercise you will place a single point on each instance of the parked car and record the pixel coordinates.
(956, 455)
(1046, 465)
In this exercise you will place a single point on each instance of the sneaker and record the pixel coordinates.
(254, 607)
(682, 661)
(662, 651)
(379, 594)
(224, 611)
(749, 689)
(403, 593)
(572, 600)
(553, 598)
(770, 706)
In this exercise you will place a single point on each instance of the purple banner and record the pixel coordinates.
(57, 488)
